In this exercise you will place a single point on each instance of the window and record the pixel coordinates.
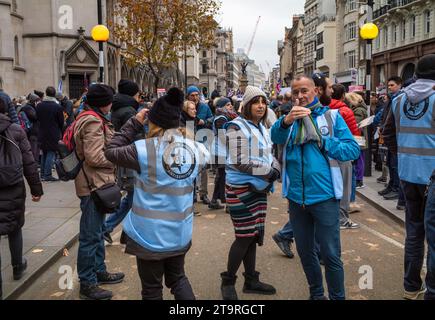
(14, 6)
(385, 31)
(350, 30)
(403, 30)
(427, 21)
(394, 29)
(17, 52)
(204, 54)
(350, 6)
(351, 59)
(204, 68)
(320, 54)
(412, 26)
(320, 38)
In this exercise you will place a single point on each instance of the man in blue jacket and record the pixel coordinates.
(315, 139)
(203, 113)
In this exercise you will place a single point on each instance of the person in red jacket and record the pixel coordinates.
(337, 103)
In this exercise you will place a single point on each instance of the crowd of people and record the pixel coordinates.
(160, 155)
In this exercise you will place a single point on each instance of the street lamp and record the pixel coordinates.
(100, 34)
(369, 32)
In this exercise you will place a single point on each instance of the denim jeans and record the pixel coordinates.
(322, 222)
(287, 231)
(117, 217)
(393, 168)
(47, 160)
(429, 223)
(415, 235)
(91, 255)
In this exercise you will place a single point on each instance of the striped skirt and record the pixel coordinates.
(248, 211)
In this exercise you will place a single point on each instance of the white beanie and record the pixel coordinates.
(251, 93)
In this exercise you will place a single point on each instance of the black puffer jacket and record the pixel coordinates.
(13, 198)
(124, 107)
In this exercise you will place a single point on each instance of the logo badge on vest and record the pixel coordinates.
(416, 111)
(179, 161)
(324, 131)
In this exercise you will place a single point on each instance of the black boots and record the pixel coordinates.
(18, 270)
(93, 292)
(227, 288)
(255, 286)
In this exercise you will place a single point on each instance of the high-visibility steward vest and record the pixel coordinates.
(219, 152)
(326, 123)
(161, 218)
(415, 125)
(259, 148)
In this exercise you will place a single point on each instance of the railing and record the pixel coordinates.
(393, 4)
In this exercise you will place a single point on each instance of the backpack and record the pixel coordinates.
(69, 165)
(11, 162)
(25, 123)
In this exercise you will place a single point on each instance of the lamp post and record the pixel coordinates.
(369, 32)
(100, 34)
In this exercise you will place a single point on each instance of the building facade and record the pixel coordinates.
(407, 32)
(47, 43)
(256, 77)
(326, 44)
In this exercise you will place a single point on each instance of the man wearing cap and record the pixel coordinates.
(413, 114)
(125, 106)
(92, 134)
(205, 117)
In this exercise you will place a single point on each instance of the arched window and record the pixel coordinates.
(17, 51)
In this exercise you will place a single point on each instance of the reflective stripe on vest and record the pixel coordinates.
(259, 149)
(328, 119)
(415, 125)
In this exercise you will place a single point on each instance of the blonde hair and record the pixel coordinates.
(354, 99)
(186, 105)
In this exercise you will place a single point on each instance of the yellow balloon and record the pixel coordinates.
(100, 33)
(369, 31)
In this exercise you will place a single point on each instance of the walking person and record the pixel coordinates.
(51, 120)
(92, 134)
(158, 229)
(224, 114)
(315, 139)
(412, 115)
(32, 134)
(125, 106)
(16, 161)
(205, 117)
(250, 173)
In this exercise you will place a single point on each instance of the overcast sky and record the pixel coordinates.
(242, 15)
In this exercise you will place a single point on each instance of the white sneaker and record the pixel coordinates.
(413, 295)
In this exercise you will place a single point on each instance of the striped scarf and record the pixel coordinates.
(307, 129)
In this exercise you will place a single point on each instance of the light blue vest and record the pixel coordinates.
(161, 218)
(219, 152)
(259, 148)
(415, 125)
(328, 119)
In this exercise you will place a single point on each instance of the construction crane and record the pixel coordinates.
(253, 37)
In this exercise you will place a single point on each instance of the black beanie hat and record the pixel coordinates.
(99, 95)
(128, 88)
(426, 67)
(166, 111)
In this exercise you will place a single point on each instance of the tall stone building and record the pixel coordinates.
(47, 42)
(407, 32)
(326, 39)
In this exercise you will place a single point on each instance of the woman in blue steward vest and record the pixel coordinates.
(158, 229)
(250, 173)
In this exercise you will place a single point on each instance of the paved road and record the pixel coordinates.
(378, 244)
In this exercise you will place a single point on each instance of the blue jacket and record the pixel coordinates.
(204, 113)
(308, 166)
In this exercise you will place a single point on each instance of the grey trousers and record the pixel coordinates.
(346, 172)
(203, 189)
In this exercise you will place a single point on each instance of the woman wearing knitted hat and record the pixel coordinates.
(251, 171)
(158, 229)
